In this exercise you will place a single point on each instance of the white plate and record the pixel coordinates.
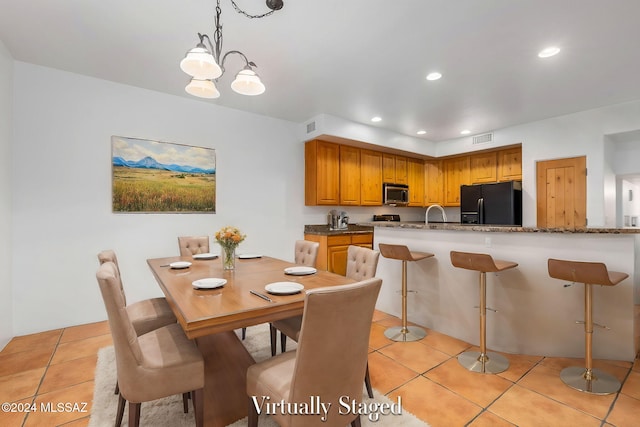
(300, 271)
(209, 283)
(180, 264)
(249, 256)
(284, 288)
(205, 256)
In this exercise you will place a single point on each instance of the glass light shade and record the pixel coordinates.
(247, 82)
(202, 89)
(199, 63)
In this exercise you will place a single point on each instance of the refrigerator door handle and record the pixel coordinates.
(481, 210)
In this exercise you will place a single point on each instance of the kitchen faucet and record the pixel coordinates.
(426, 215)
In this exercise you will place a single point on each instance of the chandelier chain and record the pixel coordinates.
(237, 8)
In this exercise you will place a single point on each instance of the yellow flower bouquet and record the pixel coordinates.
(229, 238)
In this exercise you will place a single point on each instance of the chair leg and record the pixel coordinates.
(252, 415)
(120, 413)
(198, 406)
(356, 422)
(367, 382)
(185, 402)
(273, 335)
(244, 333)
(283, 342)
(134, 414)
(117, 390)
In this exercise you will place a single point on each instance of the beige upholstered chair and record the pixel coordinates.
(340, 315)
(145, 315)
(193, 245)
(306, 252)
(362, 264)
(158, 364)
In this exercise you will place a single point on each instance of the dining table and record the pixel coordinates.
(231, 300)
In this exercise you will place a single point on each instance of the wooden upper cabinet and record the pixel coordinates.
(370, 178)
(510, 164)
(394, 169)
(415, 173)
(456, 173)
(483, 167)
(349, 176)
(402, 170)
(434, 182)
(322, 173)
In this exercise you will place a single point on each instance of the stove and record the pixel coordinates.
(387, 217)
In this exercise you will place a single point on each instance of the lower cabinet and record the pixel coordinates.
(332, 254)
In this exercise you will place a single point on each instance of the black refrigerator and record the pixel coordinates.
(497, 204)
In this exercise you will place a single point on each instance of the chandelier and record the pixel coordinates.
(206, 65)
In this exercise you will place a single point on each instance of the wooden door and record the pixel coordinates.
(401, 164)
(337, 259)
(322, 173)
(370, 178)
(349, 176)
(562, 193)
(388, 168)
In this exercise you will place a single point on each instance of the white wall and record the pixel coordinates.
(62, 189)
(6, 114)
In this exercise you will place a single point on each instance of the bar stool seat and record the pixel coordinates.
(402, 253)
(587, 378)
(482, 361)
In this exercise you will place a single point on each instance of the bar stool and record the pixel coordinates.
(401, 252)
(587, 379)
(482, 361)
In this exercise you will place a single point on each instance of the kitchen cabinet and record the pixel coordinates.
(415, 174)
(510, 164)
(332, 254)
(434, 182)
(456, 173)
(349, 176)
(394, 169)
(370, 178)
(483, 167)
(322, 173)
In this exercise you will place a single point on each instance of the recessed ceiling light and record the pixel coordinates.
(376, 119)
(434, 76)
(465, 132)
(549, 51)
(421, 132)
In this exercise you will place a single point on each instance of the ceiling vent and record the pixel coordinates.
(483, 139)
(311, 127)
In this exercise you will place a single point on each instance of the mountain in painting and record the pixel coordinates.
(151, 163)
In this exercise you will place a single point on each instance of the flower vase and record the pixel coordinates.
(228, 256)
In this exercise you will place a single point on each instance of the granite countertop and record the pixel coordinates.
(497, 228)
(323, 229)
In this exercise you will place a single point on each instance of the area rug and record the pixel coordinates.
(168, 411)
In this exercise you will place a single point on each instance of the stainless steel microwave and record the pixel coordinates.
(395, 194)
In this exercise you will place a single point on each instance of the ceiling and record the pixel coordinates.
(359, 58)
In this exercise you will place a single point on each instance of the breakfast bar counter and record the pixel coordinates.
(536, 314)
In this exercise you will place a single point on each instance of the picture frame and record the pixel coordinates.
(151, 176)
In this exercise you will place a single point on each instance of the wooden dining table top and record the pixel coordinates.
(208, 311)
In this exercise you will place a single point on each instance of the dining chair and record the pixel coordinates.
(158, 364)
(362, 264)
(193, 245)
(146, 315)
(305, 253)
(340, 315)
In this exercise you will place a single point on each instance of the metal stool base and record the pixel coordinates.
(411, 333)
(493, 363)
(600, 382)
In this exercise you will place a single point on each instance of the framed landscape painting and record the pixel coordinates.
(162, 177)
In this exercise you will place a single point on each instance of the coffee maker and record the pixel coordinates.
(337, 220)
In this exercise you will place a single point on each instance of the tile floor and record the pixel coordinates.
(58, 366)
